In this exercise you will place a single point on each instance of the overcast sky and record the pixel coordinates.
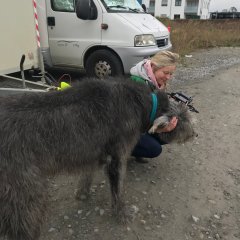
(219, 5)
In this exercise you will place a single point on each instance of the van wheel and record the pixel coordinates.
(102, 64)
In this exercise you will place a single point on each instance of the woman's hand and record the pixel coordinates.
(172, 124)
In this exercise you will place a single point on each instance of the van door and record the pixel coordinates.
(69, 36)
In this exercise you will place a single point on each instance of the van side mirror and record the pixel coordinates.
(86, 10)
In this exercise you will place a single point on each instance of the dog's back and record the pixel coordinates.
(55, 126)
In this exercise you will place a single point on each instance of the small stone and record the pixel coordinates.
(101, 212)
(195, 219)
(149, 212)
(52, 229)
(201, 236)
(211, 201)
(129, 229)
(88, 213)
(66, 217)
(79, 212)
(213, 226)
(70, 231)
(102, 184)
(163, 216)
(217, 236)
(143, 221)
(96, 230)
(192, 234)
(135, 209)
(96, 209)
(147, 228)
(143, 192)
(69, 225)
(216, 216)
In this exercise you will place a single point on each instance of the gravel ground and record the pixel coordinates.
(190, 192)
(205, 63)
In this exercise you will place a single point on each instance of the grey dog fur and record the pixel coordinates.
(76, 129)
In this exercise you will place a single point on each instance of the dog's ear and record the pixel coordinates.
(159, 124)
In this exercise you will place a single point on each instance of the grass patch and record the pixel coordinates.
(190, 35)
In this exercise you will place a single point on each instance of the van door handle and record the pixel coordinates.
(51, 21)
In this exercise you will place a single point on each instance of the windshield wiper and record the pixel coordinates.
(117, 6)
(123, 7)
(134, 10)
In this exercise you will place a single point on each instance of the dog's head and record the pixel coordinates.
(182, 132)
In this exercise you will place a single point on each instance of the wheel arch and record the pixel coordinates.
(95, 48)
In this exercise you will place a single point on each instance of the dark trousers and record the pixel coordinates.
(149, 146)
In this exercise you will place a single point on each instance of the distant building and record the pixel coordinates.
(180, 9)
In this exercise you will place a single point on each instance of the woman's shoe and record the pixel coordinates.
(141, 160)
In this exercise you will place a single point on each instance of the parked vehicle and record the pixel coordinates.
(225, 15)
(101, 36)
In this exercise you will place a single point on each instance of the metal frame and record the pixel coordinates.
(24, 89)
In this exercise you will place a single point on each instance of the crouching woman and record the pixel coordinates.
(155, 73)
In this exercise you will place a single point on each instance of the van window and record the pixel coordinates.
(63, 5)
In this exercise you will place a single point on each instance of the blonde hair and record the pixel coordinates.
(164, 58)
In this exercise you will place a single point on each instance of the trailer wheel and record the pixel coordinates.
(102, 64)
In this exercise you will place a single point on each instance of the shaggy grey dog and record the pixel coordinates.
(76, 129)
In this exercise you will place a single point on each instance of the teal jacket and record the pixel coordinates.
(142, 80)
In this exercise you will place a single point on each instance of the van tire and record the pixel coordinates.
(102, 64)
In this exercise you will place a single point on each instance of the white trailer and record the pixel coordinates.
(18, 38)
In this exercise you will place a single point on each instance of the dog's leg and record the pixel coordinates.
(84, 184)
(116, 170)
(23, 202)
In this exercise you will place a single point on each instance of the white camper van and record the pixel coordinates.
(104, 37)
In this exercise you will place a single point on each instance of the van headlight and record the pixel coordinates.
(144, 40)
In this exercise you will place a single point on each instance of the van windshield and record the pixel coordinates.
(123, 5)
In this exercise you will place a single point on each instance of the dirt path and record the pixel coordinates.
(191, 191)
